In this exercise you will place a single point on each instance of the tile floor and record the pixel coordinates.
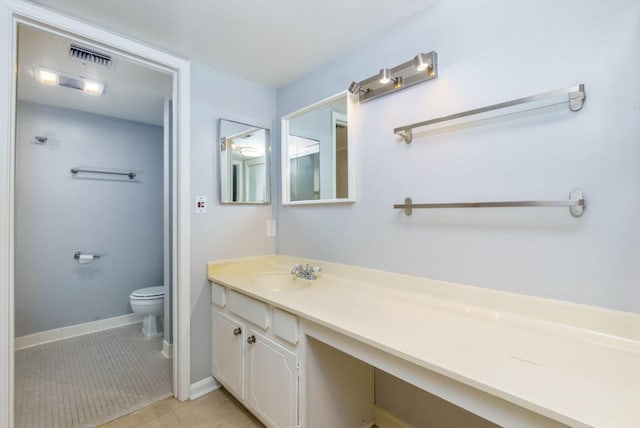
(85, 380)
(215, 410)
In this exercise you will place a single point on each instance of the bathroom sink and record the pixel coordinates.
(279, 282)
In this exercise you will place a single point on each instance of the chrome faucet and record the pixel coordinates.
(305, 272)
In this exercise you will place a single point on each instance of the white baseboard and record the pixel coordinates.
(385, 419)
(203, 387)
(74, 330)
(167, 349)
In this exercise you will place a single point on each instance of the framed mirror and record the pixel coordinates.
(317, 160)
(244, 153)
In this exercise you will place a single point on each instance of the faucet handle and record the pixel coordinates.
(315, 269)
(296, 268)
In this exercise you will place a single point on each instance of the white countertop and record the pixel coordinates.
(576, 364)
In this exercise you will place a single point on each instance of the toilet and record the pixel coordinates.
(149, 302)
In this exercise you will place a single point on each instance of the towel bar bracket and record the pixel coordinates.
(576, 100)
(407, 136)
(578, 209)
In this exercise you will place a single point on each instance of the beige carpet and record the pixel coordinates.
(84, 380)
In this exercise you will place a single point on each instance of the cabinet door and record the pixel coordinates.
(228, 341)
(273, 381)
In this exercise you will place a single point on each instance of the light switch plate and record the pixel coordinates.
(201, 204)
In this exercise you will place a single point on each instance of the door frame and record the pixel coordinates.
(13, 12)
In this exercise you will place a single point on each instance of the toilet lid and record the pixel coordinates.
(148, 293)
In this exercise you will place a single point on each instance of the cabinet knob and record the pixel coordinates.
(251, 339)
(237, 331)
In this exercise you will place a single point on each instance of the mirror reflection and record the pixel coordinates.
(244, 163)
(316, 153)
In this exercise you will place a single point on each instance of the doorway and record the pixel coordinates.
(90, 233)
(178, 70)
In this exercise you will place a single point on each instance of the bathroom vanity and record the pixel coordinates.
(298, 352)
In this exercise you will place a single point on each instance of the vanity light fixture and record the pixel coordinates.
(356, 89)
(422, 67)
(50, 77)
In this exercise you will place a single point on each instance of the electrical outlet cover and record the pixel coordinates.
(201, 204)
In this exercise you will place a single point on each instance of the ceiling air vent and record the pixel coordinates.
(90, 56)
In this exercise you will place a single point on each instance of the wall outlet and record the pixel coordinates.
(201, 204)
(271, 228)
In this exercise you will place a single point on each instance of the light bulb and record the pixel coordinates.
(92, 87)
(421, 61)
(385, 76)
(46, 77)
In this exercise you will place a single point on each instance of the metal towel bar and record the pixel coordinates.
(130, 174)
(574, 95)
(575, 203)
(77, 254)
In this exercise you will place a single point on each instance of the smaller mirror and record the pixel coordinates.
(317, 163)
(244, 163)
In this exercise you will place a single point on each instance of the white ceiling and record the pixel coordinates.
(133, 92)
(268, 41)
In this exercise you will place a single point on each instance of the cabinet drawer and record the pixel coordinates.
(285, 326)
(249, 309)
(218, 295)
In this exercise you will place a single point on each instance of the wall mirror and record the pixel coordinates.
(317, 160)
(244, 163)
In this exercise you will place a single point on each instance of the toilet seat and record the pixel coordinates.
(149, 293)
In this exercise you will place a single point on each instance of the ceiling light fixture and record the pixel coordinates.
(50, 77)
(46, 77)
(251, 151)
(92, 87)
(422, 67)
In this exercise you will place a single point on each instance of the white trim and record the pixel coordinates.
(167, 135)
(12, 12)
(181, 298)
(7, 152)
(167, 349)
(384, 419)
(322, 201)
(62, 333)
(338, 119)
(203, 387)
(284, 155)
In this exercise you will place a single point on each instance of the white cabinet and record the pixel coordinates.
(273, 381)
(228, 344)
(255, 364)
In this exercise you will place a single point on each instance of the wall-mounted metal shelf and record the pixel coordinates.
(574, 95)
(575, 203)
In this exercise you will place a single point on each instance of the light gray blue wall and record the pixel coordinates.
(225, 231)
(57, 214)
(492, 51)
